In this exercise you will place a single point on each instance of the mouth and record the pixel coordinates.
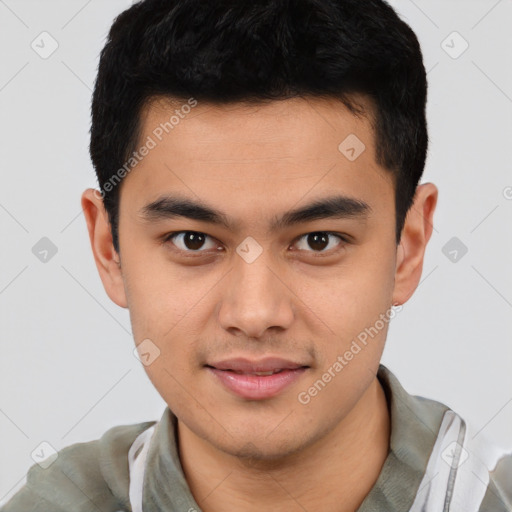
(256, 380)
(260, 374)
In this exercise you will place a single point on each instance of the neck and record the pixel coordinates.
(333, 475)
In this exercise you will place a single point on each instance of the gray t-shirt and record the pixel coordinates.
(435, 463)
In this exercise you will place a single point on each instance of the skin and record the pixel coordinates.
(254, 163)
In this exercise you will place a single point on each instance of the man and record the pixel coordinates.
(261, 217)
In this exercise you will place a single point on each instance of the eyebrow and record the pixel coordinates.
(335, 207)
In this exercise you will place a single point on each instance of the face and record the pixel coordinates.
(219, 299)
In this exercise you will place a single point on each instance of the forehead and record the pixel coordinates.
(257, 154)
(296, 127)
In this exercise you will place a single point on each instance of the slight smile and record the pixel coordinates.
(257, 380)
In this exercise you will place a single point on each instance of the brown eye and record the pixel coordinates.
(190, 241)
(318, 241)
(193, 241)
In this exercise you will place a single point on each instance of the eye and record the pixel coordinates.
(197, 242)
(190, 241)
(319, 240)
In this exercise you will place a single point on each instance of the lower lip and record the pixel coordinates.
(257, 387)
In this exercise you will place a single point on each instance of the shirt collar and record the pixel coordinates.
(415, 422)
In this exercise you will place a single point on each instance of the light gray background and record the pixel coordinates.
(67, 370)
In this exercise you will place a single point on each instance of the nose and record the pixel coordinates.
(256, 298)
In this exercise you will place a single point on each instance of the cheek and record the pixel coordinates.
(161, 296)
(165, 306)
(351, 296)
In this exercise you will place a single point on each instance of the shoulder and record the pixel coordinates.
(455, 465)
(466, 471)
(498, 493)
(84, 476)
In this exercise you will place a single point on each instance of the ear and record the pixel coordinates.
(106, 258)
(416, 233)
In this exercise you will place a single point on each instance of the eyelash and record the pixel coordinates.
(343, 239)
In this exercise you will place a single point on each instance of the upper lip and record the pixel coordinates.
(268, 364)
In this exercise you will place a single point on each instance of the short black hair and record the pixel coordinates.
(228, 51)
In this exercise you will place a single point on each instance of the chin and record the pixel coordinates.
(259, 449)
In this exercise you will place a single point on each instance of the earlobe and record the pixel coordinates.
(413, 243)
(100, 236)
